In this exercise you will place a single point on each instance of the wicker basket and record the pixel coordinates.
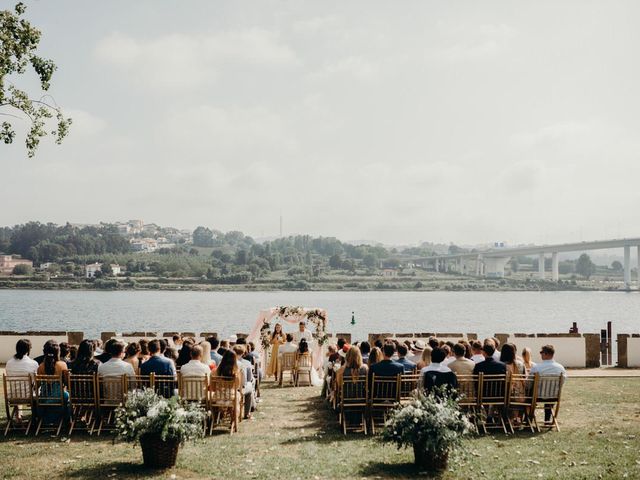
(157, 453)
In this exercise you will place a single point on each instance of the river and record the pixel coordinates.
(484, 313)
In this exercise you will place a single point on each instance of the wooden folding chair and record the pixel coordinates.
(468, 391)
(139, 382)
(164, 385)
(224, 399)
(548, 396)
(83, 400)
(256, 374)
(111, 392)
(287, 364)
(18, 394)
(384, 396)
(303, 366)
(354, 394)
(50, 401)
(195, 389)
(408, 386)
(492, 393)
(521, 400)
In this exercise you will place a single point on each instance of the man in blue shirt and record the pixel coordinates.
(407, 364)
(215, 356)
(159, 365)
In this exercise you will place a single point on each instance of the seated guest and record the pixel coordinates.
(97, 343)
(489, 366)
(184, 354)
(526, 359)
(548, 367)
(378, 344)
(508, 357)
(224, 346)
(408, 365)
(416, 351)
(386, 367)
(65, 351)
(289, 346)
(170, 353)
(20, 364)
(496, 343)
(433, 343)
(425, 358)
(52, 365)
(157, 363)
(177, 342)
(84, 364)
(353, 365)
(163, 346)
(215, 355)
(365, 349)
(374, 357)
(461, 365)
(436, 374)
(248, 388)
(105, 356)
(206, 355)
(448, 350)
(233, 339)
(476, 350)
(143, 355)
(115, 366)
(131, 356)
(339, 346)
(229, 369)
(195, 367)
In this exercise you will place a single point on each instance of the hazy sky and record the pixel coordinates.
(392, 121)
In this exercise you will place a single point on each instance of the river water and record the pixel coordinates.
(484, 313)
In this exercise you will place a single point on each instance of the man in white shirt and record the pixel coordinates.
(302, 333)
(416, 351)
(548, 367)
(20, 364)
(496, 354)
(195, 367)
(476, 350)
(438, 356)
(289, 346)
(116, 366)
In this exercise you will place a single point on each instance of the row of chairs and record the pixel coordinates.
(296, 366)
(492, 401)
(89, 402)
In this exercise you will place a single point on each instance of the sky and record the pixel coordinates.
(400, 122)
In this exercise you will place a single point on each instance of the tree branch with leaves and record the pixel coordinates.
(19, 41)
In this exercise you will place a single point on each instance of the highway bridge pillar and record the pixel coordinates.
(627, 266)
(554, 267)
(541, 266)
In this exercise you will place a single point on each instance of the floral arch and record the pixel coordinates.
(316, 318)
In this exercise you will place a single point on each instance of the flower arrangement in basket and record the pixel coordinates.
(161, 425)
(432, 424)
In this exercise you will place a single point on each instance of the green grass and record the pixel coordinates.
(294, 435)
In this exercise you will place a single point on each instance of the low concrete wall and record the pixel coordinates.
(633, 351)
(38, 339)
(571, 348)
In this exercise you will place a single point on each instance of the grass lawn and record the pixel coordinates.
(294, 435)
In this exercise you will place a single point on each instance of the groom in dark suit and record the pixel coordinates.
(489, 366)
(387, 367)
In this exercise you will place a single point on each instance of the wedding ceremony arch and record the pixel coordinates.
(315, 318)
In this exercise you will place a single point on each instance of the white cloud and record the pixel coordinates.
(184, 61)
(355, 66)
(464, 42)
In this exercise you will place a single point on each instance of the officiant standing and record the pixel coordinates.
(302, 333)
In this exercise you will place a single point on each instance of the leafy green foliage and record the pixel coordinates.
(147, 413)
(19, 41)
(584, 266)
(432, 420)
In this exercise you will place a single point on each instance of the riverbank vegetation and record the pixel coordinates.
(207, 259)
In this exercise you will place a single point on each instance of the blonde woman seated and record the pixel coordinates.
(426, 358)
(353, 365)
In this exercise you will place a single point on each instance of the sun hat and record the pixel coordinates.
(233, 338)
(418, 346)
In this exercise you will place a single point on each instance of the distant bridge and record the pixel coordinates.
(491, 263)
